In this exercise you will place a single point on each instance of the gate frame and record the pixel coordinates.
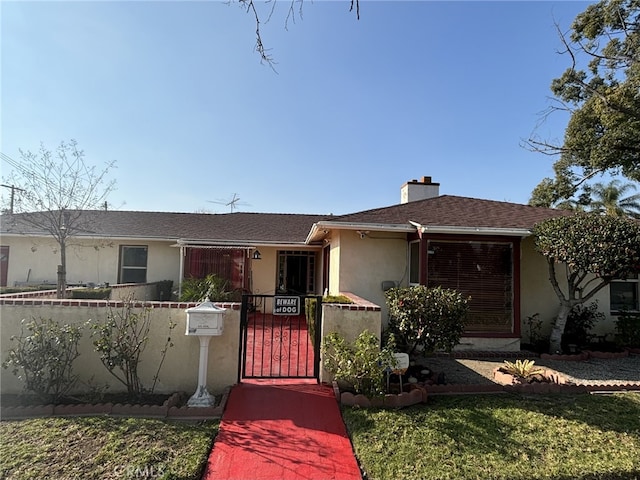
(248, 307)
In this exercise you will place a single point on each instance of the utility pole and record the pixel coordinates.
(13, 193)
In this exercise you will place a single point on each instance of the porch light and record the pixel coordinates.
(256, 255)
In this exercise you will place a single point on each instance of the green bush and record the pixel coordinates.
(580, 321)
(91, 293)
(628, 329)
(432, 318)
(45, 354)
(212, 286)
(343, 299)
(164, 292)
(26, 288)
(361, 364)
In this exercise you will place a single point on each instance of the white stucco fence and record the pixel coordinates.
(179, 371)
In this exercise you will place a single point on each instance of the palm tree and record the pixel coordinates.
(609, 199)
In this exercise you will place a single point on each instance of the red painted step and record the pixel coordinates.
(279, 432)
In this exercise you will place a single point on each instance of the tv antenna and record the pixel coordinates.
(232, 204)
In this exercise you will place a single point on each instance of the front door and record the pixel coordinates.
(296, 272)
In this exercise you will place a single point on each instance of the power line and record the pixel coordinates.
(13, 192)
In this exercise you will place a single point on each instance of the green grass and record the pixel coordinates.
(501, 437)
(104, 448)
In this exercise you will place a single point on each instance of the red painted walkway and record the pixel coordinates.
(281, 432)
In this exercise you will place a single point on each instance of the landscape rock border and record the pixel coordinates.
(173, 408)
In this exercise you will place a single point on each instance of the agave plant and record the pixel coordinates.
(522, 368)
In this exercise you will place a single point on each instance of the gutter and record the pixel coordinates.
(505, 232)
(193, 243)
(372, 227)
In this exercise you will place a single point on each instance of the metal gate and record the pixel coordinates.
(280, 336)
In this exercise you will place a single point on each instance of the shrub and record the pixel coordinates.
(199, 289)
(45, 354)
(164, 288)
(343, 299)
(628, 328)
(361, 364)
(120, 342)
(91, 293)
(580, 321)
(432, 318)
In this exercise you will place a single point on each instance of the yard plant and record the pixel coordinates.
(120, 341)
(431, 318)
(213, 287)
(523, 369)
(361, 364)
(43, 357)
(584, 253)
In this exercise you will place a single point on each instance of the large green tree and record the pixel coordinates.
(584, 253)
(609, 198)
(600, 90)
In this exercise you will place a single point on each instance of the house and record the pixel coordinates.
(483, 248)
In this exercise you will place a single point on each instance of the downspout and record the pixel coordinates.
(182, 253)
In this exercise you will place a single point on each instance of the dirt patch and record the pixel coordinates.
(615, 371)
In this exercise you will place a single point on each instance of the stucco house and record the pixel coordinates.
(483, 248)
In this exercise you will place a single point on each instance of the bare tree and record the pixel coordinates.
(292, 11)
(56, 190)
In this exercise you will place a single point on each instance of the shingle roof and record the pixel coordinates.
(238, 227)
(442, 211)
(448, 210)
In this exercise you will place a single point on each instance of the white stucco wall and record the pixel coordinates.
(362, 264)
(88, 260)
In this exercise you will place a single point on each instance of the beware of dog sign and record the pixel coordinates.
(286, 306)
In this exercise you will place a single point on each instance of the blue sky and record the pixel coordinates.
(175, 94)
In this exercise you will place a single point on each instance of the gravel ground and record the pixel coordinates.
(619, 371)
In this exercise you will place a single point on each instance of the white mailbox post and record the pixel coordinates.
(205, 321)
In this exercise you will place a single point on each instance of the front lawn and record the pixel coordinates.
(501, 437)
(104, 448)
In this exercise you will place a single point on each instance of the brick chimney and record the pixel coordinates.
(419, 190)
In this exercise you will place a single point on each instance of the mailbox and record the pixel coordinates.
(206, 319)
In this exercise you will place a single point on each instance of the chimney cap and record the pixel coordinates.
(425, 180)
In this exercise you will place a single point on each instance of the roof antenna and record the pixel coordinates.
(232, 204)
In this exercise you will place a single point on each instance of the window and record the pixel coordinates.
(226, 263)
(296, 272)
(623, 295)
(133, 264)
(483, 271)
